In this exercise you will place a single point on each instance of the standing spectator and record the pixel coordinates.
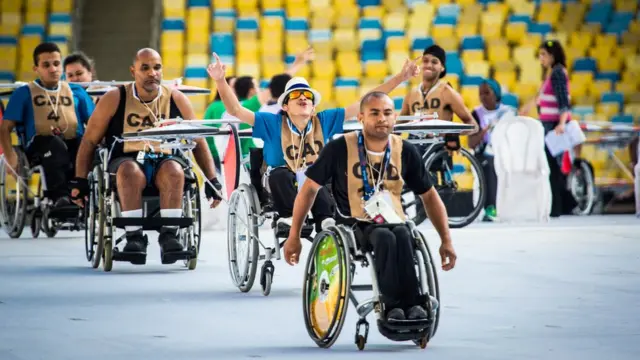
(554, 109)
(486, 115)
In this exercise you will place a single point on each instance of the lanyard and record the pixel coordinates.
(368, 190)
(293, 129)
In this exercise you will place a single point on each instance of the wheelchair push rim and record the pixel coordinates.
(581, 184)
(92, 244)
(243, 275)
(14, 214)
(433, 287)
(326, 288)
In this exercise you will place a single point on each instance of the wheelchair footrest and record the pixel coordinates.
(136, 258)
(172, 257)
(64, 212)
(153, 223)
(404, 330)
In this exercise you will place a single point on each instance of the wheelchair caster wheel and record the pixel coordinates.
(266, 277)
(36, 225)
(360, 342)
(422, 343)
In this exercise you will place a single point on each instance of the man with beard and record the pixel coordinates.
(352, 164)
(50, 117)
(436, 96)
(294, 136)
(134, 107)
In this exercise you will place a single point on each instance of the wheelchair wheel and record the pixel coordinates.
(431, 281)
(48, 226)
(581, 183)
(92, 245)
(191, 236)
(14, 196)
(242, 234)
(464, 196)
(327, 282)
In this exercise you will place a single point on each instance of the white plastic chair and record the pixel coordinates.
(524, 191)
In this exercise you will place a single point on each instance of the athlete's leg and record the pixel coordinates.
(323, 208)
(283, 191)
(51, 152)
(169, 180)
(407, 276)
(256, 158)
(130, 181)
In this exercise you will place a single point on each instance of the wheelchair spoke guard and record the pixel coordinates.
(326, 288)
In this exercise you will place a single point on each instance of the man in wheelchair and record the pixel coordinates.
(367, 194)
(49, 116)
(136, 164)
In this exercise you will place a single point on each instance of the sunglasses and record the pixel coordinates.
(297, 93)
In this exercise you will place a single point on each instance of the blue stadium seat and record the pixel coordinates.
(454, 64)
(60, 18)
(619, 23)
(511, 100)
(372, 50)
(296, 24)
(247, 24)
(397, 102)
(520, 18)
(369, 23)
(59, 39)
(363, 3)
(421, 43)
(196, 73)
(223, 44)
(471, 80)
(7, 77)
(583, 110)
(195, 3)
(540, 28)
(8, 40)
(275, 12)
(599, 13)
(613, 96)
(473, 43)
(622, 119)
(445, 20)
(584, 64)
(392, 33)
(449, 10)
(346, 82)
(33, 30)
(173, 24)
(320, 35)
(611, 76)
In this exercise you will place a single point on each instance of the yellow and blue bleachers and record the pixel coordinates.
(23, 25)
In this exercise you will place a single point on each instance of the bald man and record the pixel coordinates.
(134, 107)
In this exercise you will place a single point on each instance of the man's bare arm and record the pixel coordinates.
(95, 131)
(5, 138)
(201, 151)
(302, 205)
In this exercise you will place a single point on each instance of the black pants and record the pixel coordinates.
(562, 199)
(393, 254)
(58, 159)
(490, 177)
(256, 160)
(282, 182)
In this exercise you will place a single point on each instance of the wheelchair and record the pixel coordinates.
(103, 219)
(246, 215)
(328, 288)
(23, 201)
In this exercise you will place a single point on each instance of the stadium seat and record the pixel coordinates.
(346, 91)
(9, 58)
(224, 20)
(516, 29)
(345, 64)
(549, 13)
(506, 78)
(347, 15)
(173, 9)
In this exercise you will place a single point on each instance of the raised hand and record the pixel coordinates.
(217, 70)
(410, 68)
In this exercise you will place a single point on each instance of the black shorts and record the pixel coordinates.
(150, 166)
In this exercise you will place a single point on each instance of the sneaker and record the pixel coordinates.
(284, 221)
(490, 214)
(136, 242)
(417, 313)
(396, 314)
(169, 241)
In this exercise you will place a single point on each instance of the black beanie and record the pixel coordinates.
(439, 53)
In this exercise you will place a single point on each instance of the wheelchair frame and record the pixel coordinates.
(347, 254)
(256, 215)
(34, 205)
(103, 219)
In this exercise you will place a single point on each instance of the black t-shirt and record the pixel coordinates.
(331, 167)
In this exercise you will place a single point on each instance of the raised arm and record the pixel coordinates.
(409, 70)
(231, 103)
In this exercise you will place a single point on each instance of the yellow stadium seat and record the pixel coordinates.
(323, 49)
(627, 88)
(498, 8)
(272, 45)
(441, 31)
(198, 18)
(369, 34)
(345, 95)
(296, 43)
(324, 86)
(271, 23)
(60, 29)
(633, 109)
(491, 25)
(607, 60)
(222, 4)
(298, 11)
(470, 96)
(347, 15)
(11, 6)
(246, 7)
(607, 110)
(394, 5)
(581, 39)
(466, 29)
(249, 69)
(373, 12)
(633, 63)
(197, 41)
(224, 24)
(271, 4)
(534, 40)
(477, 68)
(591, 27)
(573, 53)
(397, 44)
(499, 53)
(345, 40)
(272, 66)
(599, 87)
(532, 74)
(172, 41)
(606, 42)
(437, 3)
(396, 61)
(515, 32)
(173, 9)
(324, 69)
(346, 61)
(399, 91)
(322, 18)
(449, 43)
(524, 54)
(376, 70)
(11, 30)
(9, 58)
(454, 81)
(506, 78)
(395, 21)
(464, 4)
(472, 55)
(625, 5)
(35, 18)
(524, 8)
(549, 12)
(319, 5)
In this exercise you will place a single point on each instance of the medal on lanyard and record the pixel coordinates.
(377, 204)
(300, 175)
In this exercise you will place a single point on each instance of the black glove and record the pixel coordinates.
(452, 142)
(80, 184)
(208, 190)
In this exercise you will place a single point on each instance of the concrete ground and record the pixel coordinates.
(563, 290)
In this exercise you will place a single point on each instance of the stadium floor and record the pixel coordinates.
(569, 289)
